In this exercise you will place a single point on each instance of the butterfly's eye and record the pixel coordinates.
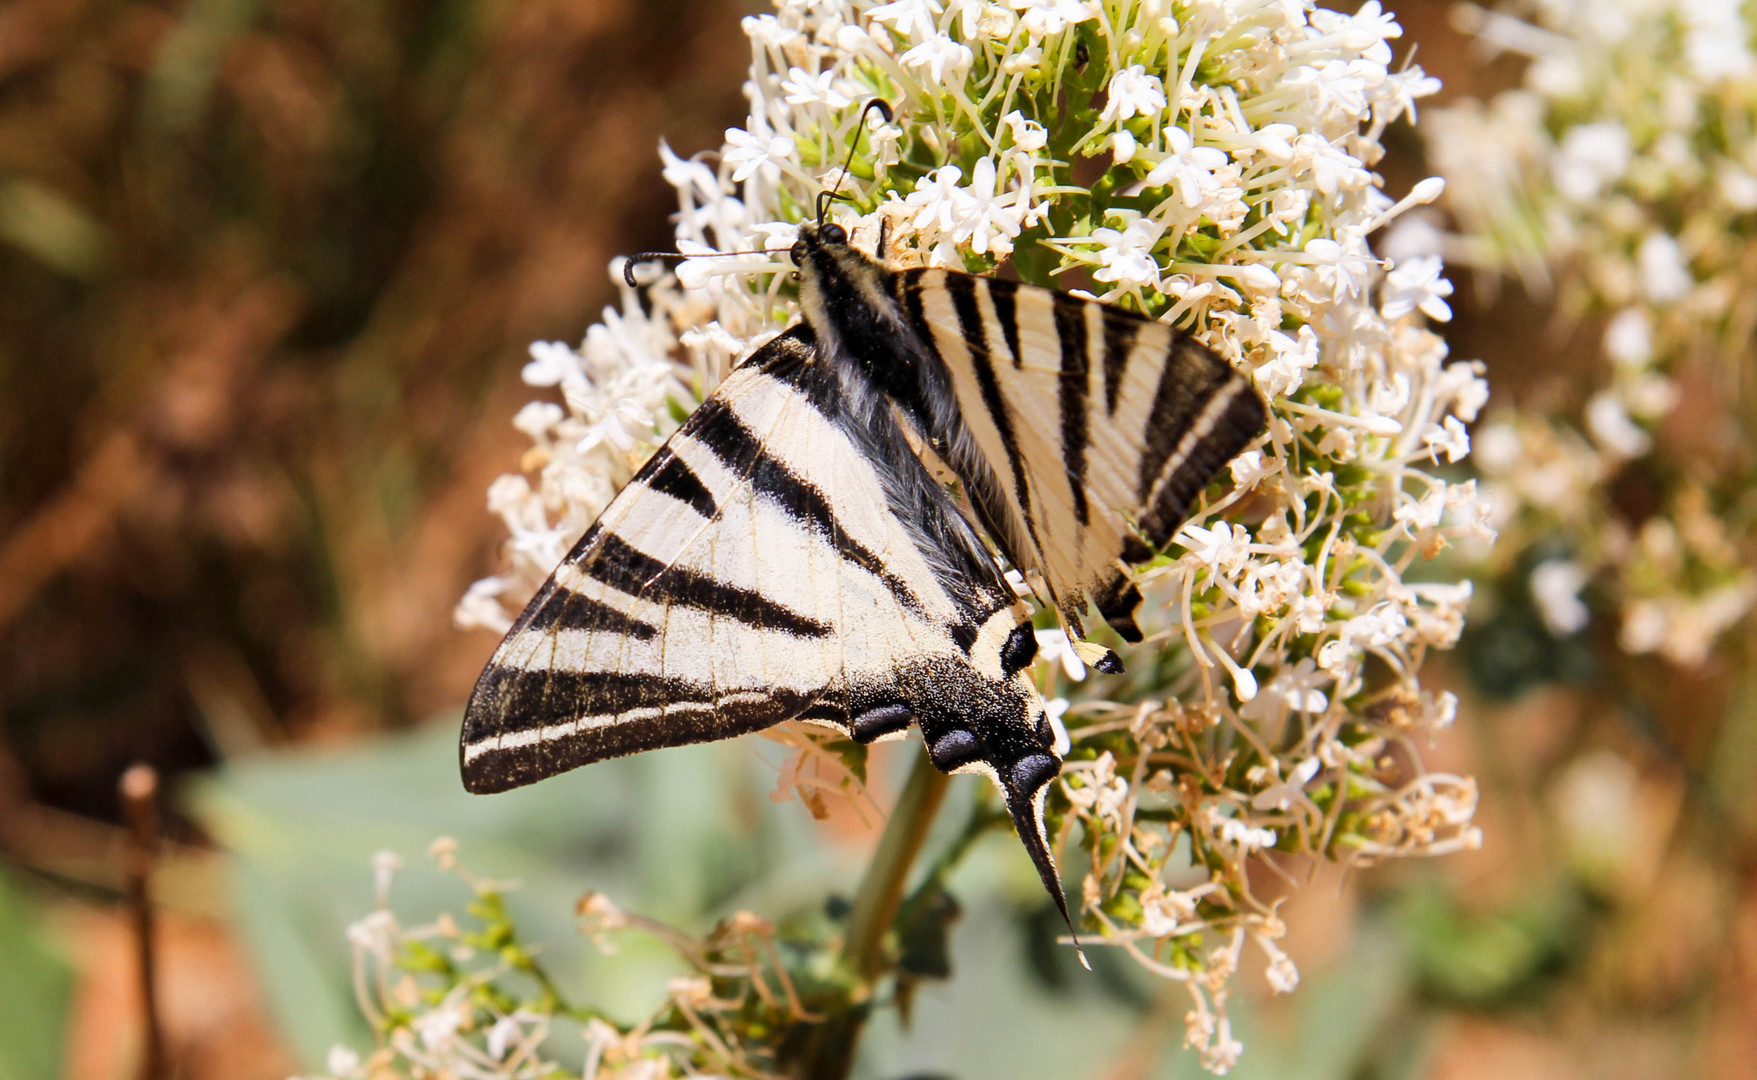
(798, 252)
(835, 234)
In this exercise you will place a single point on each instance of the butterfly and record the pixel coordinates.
(791, 554)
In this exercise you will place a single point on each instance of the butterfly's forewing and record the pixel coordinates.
(648, 634)
(775, 559)
(1093, 428)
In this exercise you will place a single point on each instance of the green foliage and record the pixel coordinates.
(35, 988)
(1499, 956)
(1508, 650)
(302, 830)
(675, 834)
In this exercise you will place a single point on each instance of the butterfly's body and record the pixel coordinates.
(787, 554)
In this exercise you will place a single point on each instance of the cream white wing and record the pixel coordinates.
(1087, 431)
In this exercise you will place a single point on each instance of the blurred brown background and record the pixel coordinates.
(268, 269)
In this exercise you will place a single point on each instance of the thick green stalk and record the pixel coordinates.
(881, 890)
(829, 1054)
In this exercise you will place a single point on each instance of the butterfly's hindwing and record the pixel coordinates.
(1096, 427)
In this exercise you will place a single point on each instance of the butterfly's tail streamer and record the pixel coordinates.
(1026, 809)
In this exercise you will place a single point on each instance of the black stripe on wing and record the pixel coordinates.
(571, 611)
(1194, 382)
(634, 712)
(1003, 295)
(1240, 420)
(670, 474)
(630, 570)
(1119, 341)
(1190, 377)
(962, 288)
(1074, 386)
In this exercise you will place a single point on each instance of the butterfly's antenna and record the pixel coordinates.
(882, 107)
(675, 257)
(824, 196)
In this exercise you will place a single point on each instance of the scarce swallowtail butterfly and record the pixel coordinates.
(788, 554)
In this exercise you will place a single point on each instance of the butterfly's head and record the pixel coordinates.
(816, 237)
(843, 291)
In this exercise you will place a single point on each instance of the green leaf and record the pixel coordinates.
(852, 755)
(35, 988)
(684, 836)
(1494, 957)
(924, 928)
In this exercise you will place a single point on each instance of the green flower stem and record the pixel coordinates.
(881, 890)
(829, 1054)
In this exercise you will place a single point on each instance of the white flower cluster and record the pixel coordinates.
(447, 1025)
(1208, 163)
(471, 1001)
(1625, 170)
(616, 388)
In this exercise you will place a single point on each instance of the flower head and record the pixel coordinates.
(1619, 176)
(1133, 92)
(1238, 204)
